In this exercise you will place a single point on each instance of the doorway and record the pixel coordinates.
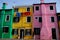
(21, 33)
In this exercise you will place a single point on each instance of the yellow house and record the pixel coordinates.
(58, 16)
(22, 25)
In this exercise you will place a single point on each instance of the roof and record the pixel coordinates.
(58, 13)
(45, 3)
(22, 6)
(5, 9)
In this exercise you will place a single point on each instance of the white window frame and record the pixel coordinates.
(6, 18)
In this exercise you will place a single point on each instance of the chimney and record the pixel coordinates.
(4, 6)
(42, 1)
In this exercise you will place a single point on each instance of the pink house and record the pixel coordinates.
(37, 21)
(45, 21)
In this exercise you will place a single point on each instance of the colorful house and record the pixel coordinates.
(37, 20)
(45, 21)
(6, 17)
(22, 25)
(58, 17)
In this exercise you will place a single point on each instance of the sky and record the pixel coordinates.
(11, 3)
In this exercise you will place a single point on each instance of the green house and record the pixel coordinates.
(0, 24)
(6, 20)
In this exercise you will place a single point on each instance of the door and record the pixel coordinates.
(54, 34)
(21, 33)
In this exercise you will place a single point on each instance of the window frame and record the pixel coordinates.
(15, 19)
(30, 32)
(36, 17)
(41, 19)
(27, 9)
(15, 32)
(52, 8)
(52, 20)
(3, 29)
(35, 33)
(6, 18)
(30, 19)
(36, 8)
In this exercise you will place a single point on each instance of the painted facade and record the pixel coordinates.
(45, 21)
(38, 22)
(58, 18)
(36, 17)
(6, 17)
(24, 26)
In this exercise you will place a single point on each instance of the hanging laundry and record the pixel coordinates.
(26, 13)
(18, 14)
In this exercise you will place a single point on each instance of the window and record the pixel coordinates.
(40, 19)
(59, 18)
(28, 32)
(37, 7)
(36, 31)
(36, 17)
(7, 18)
(52, 19)
(5, 29)
(28, 19)
(28, 9)
(15, 31)
(16, 10)
(16, 19)
(53, 33)
(51, 7)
